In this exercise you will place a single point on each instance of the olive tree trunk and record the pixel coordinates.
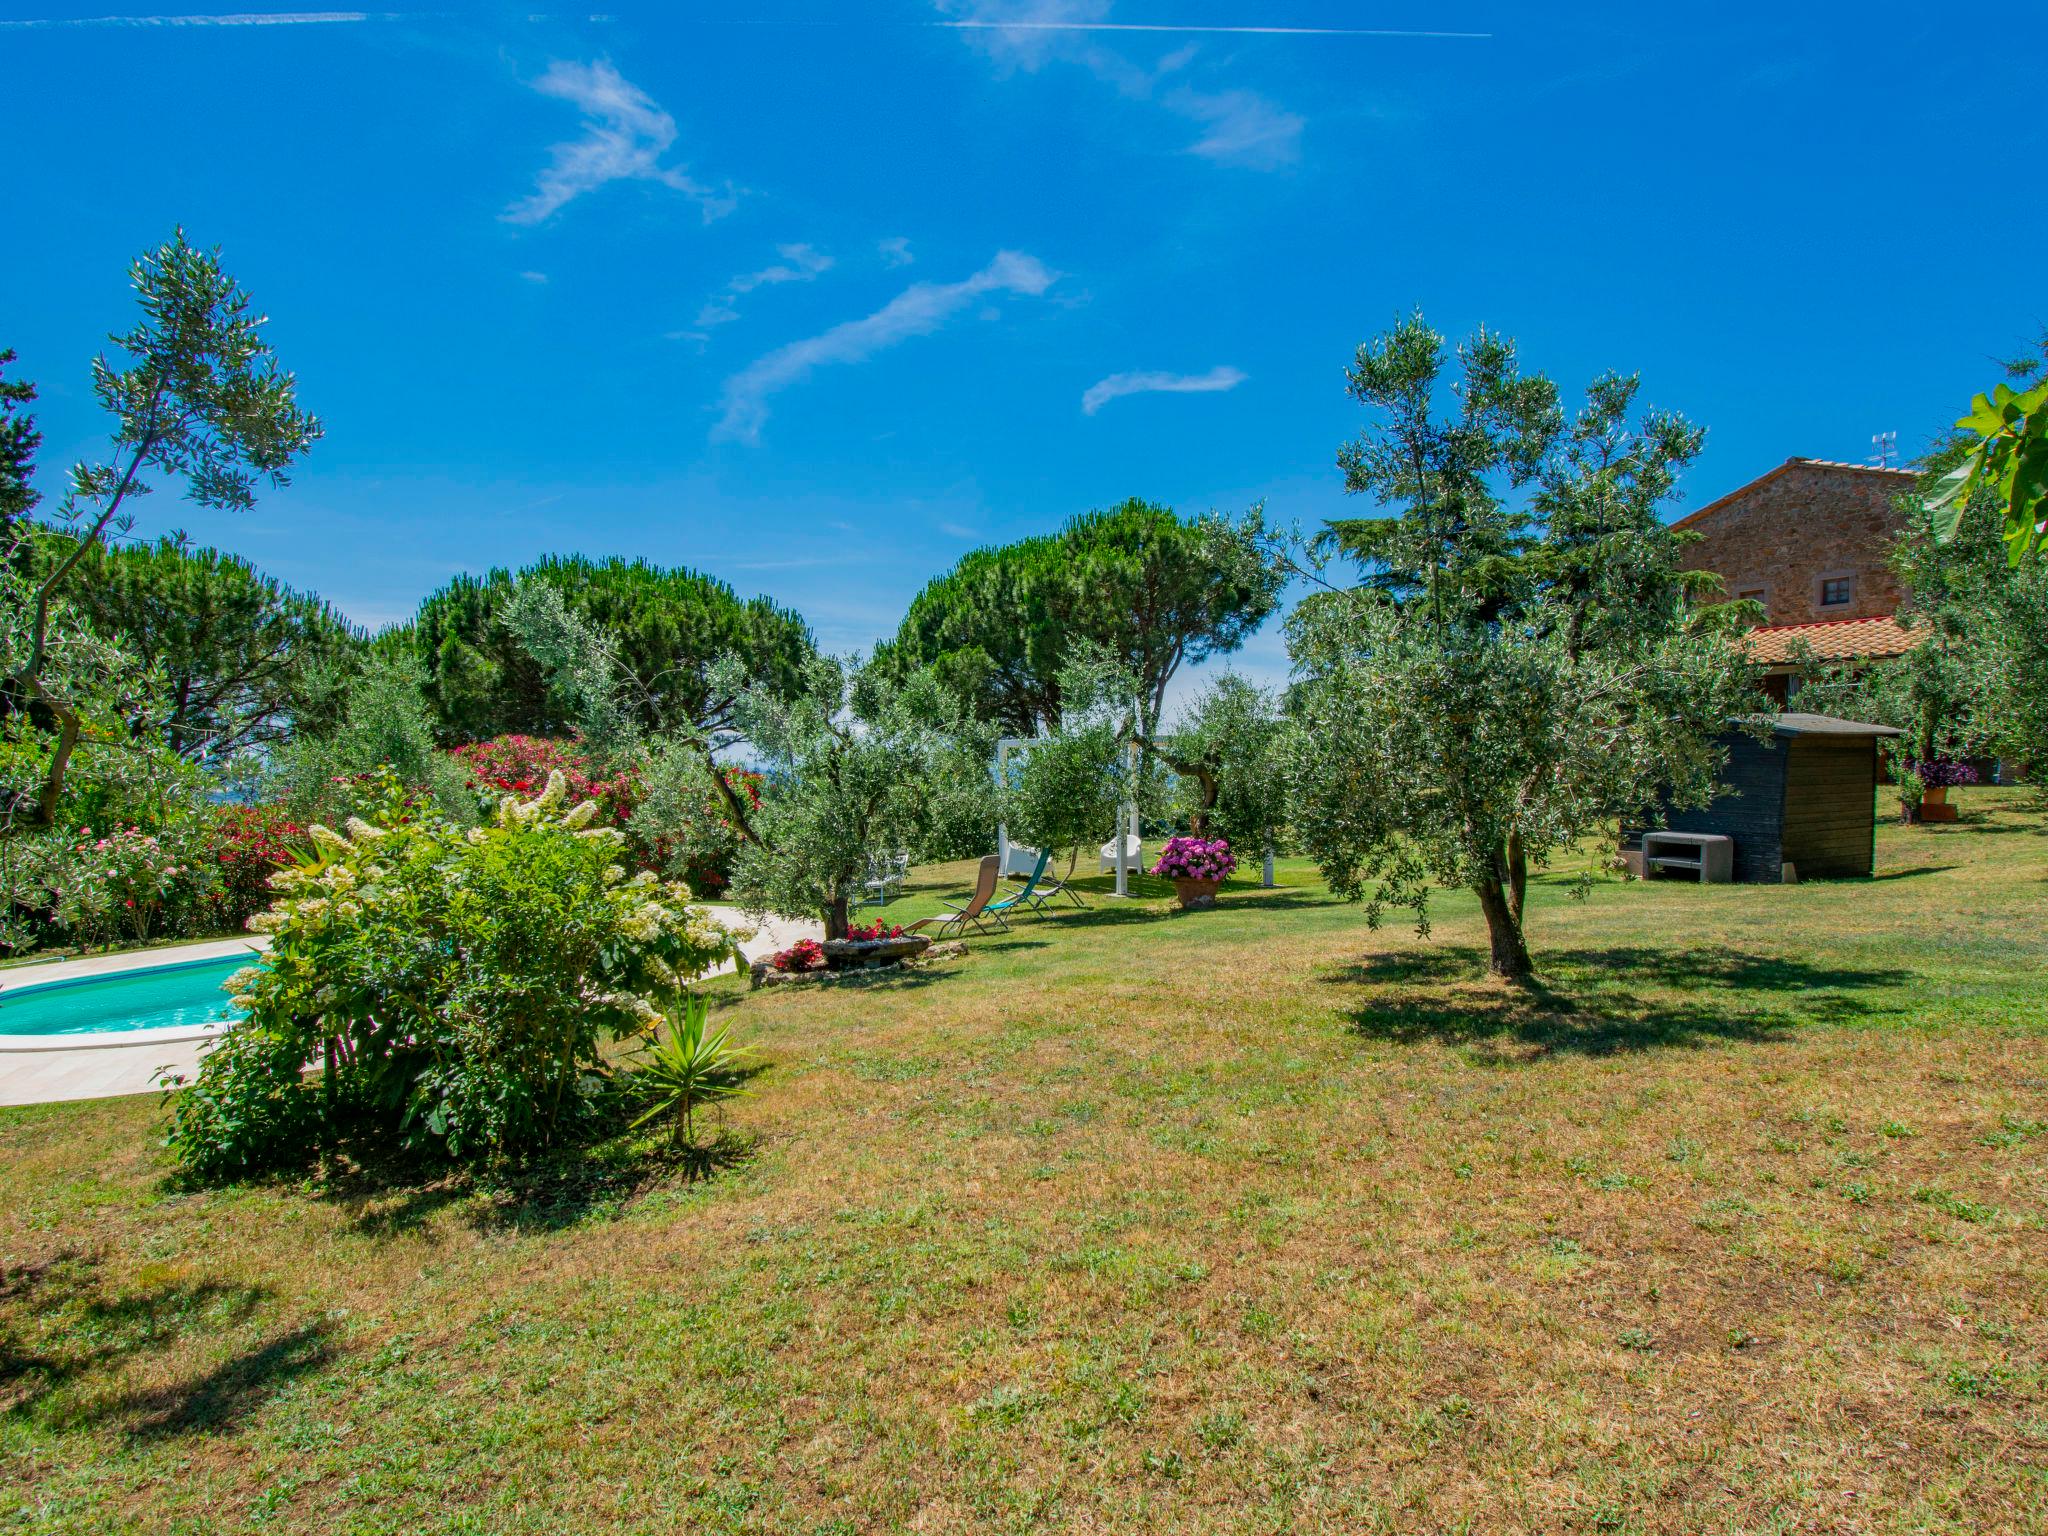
(1510, 956)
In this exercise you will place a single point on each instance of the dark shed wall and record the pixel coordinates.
(1749, 808)
(1830, 806)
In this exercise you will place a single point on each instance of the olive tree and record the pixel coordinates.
(1504, 681)
(197, 396)
(1229, 751)
(846, 759)
(1068, 788)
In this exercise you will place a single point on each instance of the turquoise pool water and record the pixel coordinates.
(162, 997)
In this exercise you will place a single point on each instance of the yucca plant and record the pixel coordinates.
(686, 1066)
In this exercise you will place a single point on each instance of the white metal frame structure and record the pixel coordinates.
(1006, 745)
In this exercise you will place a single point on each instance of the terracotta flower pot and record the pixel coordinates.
(1195, 893)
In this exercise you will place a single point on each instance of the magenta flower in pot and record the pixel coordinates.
(1197, 866)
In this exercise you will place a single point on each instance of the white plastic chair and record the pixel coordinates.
(1136, 854)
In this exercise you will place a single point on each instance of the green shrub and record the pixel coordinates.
(451, 987)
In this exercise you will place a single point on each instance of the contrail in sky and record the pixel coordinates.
(242, 19)
(249, 19)
(1157, 26)
(330, 18)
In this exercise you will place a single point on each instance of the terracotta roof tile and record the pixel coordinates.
(1832, 640)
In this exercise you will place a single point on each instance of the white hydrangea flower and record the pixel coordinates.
(329, 839)
(362, 831)
(556, 792)
(611, 836)
(580, 816)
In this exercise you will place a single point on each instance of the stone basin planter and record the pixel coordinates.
(850, 958)
(852, 954)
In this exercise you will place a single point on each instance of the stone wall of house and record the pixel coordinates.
(1813, 522)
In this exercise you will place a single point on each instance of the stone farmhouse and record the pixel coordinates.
(1808, 540)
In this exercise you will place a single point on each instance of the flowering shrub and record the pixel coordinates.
(454, 988)
(875, 930)
(682, 825)
(519, 765)
(803, 955)
(207, 871)
(707, 862)
(381, 793)
(1943, 773)
(247, 844)
(1196, 858)
(686, 833)
(125, 884)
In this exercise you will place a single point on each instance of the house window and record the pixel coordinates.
(1753, 594)
(1837, 591)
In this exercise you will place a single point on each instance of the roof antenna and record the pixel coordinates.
(1884, 450)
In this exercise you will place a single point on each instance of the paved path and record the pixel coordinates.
(39, 1074)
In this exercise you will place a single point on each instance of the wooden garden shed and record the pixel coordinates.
(1800, 803)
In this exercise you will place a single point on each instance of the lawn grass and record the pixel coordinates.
(1242, 1221)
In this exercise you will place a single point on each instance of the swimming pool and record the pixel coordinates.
(161, 997)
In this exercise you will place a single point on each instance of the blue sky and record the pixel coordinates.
(816, 297)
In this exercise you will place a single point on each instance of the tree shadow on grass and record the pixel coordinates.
(1282, 898)
(1598, 1002)
(220, 1400)
(1108, 910)
(1988, 824)
(593, 1178)
(1914, 870)
(599, 1182)
(67, 1333)
(1107, 913)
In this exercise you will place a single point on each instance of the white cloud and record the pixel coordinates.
(799, 264)
(1244, 128)
(625, 134)
(895, 251)
(1240, 127)
(917, 311)
(535, 277)
(1117, 385)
